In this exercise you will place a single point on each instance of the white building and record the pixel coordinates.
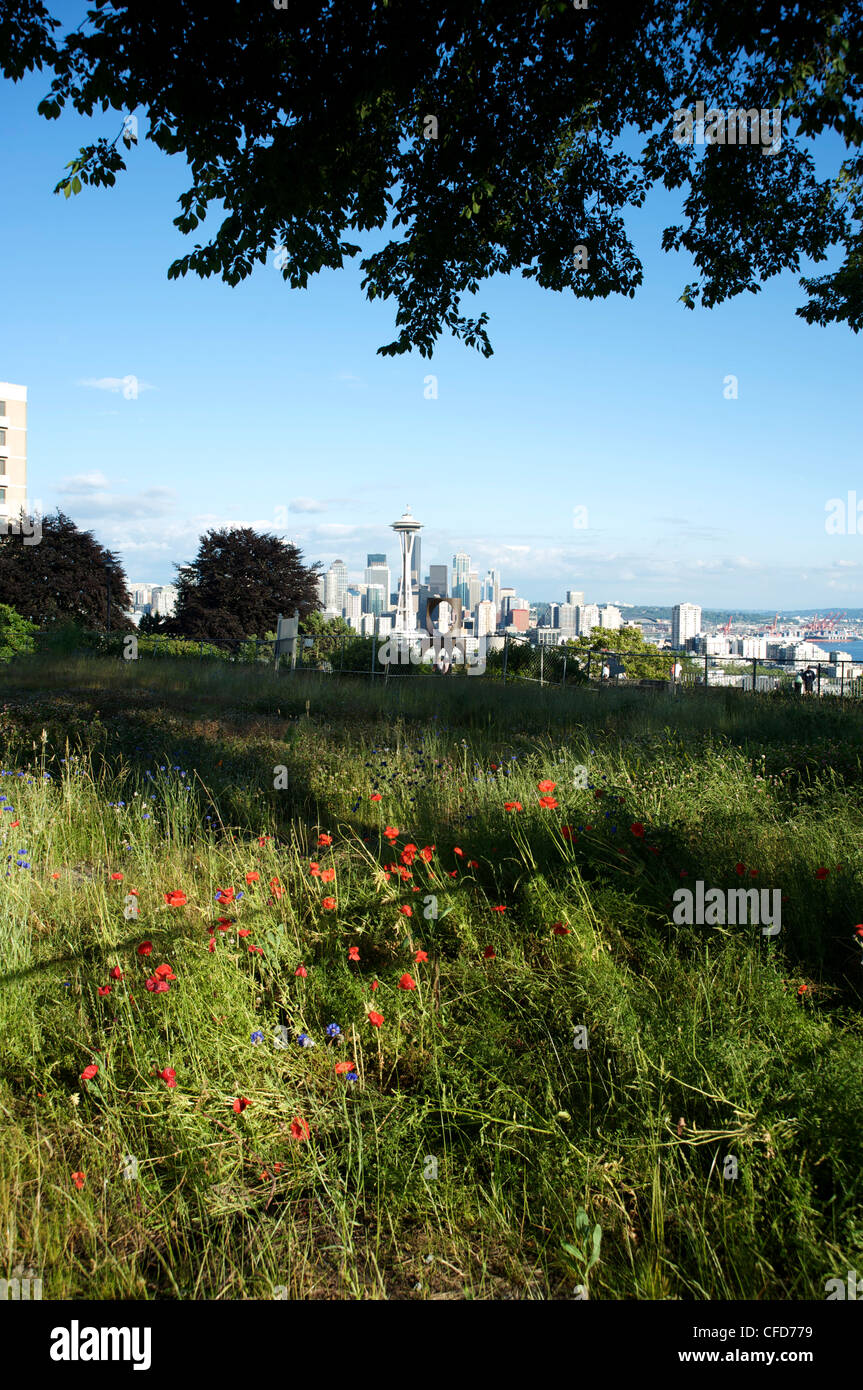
(486, 617)
(609, 617)
(587, 618)
(685, 623)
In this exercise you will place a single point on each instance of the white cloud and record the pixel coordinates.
(306, 504)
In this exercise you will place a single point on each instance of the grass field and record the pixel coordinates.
(703, 1144)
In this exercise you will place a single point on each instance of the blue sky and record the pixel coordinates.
(261, 398)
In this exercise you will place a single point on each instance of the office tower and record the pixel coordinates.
(567, 618)
(379, 573)
(163, 600)
(460, 581)
(609, 617)
(336, 585)
(519, 618)
(685, 623)
(587, 618)
(406, 528)
(575, 597)
(554, 615)
(486, 617)
(321, 586)
(373, 560)
(353, 606)
(416, 560)
(474, 594)
(439, 579)
(376, 599)
(13, 452)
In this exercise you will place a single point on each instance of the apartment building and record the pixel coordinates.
(13, 450)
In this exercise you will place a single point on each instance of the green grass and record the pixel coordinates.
(479, 1149)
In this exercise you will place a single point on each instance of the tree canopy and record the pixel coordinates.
(238, 584)
(65, 576)
(483, 137)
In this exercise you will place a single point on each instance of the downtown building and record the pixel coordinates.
(685, 624)
(13, 452)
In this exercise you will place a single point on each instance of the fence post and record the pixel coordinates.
(754, 670)
(541, 665)
(589, 655)
(819, 678)
(563, 677)
(705, 669)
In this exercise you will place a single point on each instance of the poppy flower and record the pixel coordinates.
(391, 832)
(858, 931)
(459, 852)
(426, 853)
(327, 875)
(169, 1076)
(116, 973)
(407, 982)
(740, 869)
(262, 839)
(243, 931)
(89, 1072)
(79, 1179)
(822, 872)
(240, 1104)
(164, 972)
(406, 910)
(276, 887)
(637, 829)
(325, 839)
(375, 796)
(301, 971)
(804, 989)
(104, 989)
(567, 832)
(328, 904)
(314, 868)
(499, 909)
(560, 930)
(176, 898)
(117, 877)
(374, 984)
(420, 956)
(252, 877)
(753, 873)
(353, 953)
(225, 895)
(489, 953)
(375, 1019)
(212, 944)
(299, 1128)
(55, 875)
(548, 802)
(546, 786)
(473, 863)
(342, 1067)
(513, 806)
(256, 950)
(145, 948)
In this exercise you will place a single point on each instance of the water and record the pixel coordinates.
(854, 649)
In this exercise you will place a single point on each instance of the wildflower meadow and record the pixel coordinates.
(318, 990)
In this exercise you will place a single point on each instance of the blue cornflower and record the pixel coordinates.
(352, 1076)
(257, 1037)
(305, 1041)
(333, 1030)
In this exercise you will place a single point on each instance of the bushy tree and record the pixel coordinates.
(638, 658)
(63, 577)
(16, 634)
(478, 138)
(239, 583)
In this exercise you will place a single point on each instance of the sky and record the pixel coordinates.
(264, 406)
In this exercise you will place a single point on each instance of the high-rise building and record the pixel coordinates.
(438, 580)
(163, 600)
(474, 593)
(353, 606)
(567, 618)
(587, 618)
(416, 561)
(460, 577)
(609, 617)
(336, 585)
(575, 597)
(376, 599)
(377, 559)
(13, 452)
(685, 623)
(379, 573)
(486, 617)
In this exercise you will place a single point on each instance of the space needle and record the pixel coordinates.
(406, 529)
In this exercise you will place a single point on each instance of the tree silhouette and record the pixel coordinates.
(238, 584)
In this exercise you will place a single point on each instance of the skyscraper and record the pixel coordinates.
(378, 572)
(439, 579)
(336, 585)
(13, 451)
(575, 597)
(460, 577)
(685, 623)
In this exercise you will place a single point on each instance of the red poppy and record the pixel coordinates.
(240, 1104)
(560, 930)
(328, 904)
(406, 910)
(117, 877)
(407, 982)
(637, 829)
(116, 973)
(314, 868)
(342, 1067)
(256, 950)
(375, 796)
(299, 1128)
(212, 944)
(176, 898)
(374, 984)
(244, 931)
(804, 989)
(513, 806)
(353, 953)
(391, 832)
(89, 1072)
(327, 875)
(301, 971)
(325, 839)
(740, 869)
(499, 909)
(169, 1076)
(225, 895)
(822, 872)
(55, 875)
(426, 853)
(459, 852)
(252, 877)
(420, 956)
(79, 1179)
(262, 839)
(473, 863)
(104, 989)
(753, 873)
(276, 887)
(548, 802)
(145, 948)
(489, 953)
(375, 1019)
(164, 972)
(567, 832)
(546, 786)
